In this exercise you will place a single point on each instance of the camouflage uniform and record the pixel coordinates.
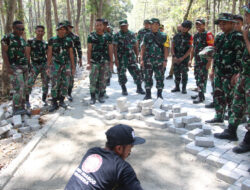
(153, 58)
(227, 61)
(19, 64)
(38, 54)
(126, 56)
(182, 43)
(61, 68)
(110, 40)
(99, 62)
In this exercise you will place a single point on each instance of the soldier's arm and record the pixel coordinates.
(49, 56)
(110, 46)
(89, 54)
(72, 60)
(136, 49)
(79, 50)
(142, 55)
(115, 53)
(172, 49)
(5, 48)
(245, 35)
(28, 49)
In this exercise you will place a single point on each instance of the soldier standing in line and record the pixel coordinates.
(229, 47)
(154, 55)
(14, 56)
(241, 100)
(77, 53)
(100, 56)
(126, 57)
(202, 39)
(182, 46)
(239, 23)
(61, 57)
(37, 52)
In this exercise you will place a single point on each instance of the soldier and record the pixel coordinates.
(77, 53)
(37, 52)
(154, 54)
(100, 56)
(182, 46)
(61, 57)
(126, 56)
(202, 39)
(161, 28)
(239, 23)
(14, 56)
(241, 100)
(229, 47)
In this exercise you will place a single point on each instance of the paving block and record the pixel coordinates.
(110, 116)
(172, 129)
(134, 109)
(11, 132)
(146, 111)
(244, 165)
(24, 129)
(192, 149)
(17, 121)
(242, 173)
(157, 104)
(122, 109)
(35, 127)
(194, 133)
(129, 116)
(166, 107)
(121, 102)
(32, 122)
(233, 187)
(203, 155)
(216, 161)
(108, 107)
(206, 130)
(227, 175)
(192, 126)
(178, 123)
(240, 181)
(5, 129)
(17, 137)
(245, 185)
(1, 114)
(190, 119)
(181, 131)
(139, 116)
(174, 115)
(159, 124)
(119, 116)
(147, 103)
(7, 115)
(3, 123)
(204, 142)
(176, 109)
(160, 115)
(185, 139)
(230, 165)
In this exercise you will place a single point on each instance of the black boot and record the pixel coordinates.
(69, 94)
(62, 103)
(101, 98)
(211, 105)
(159, 93)
(194, 97)
(108, 82)
(184, 90)
(200, 99)
(148, 94)
(229, 133)
(27, 101)
(177, 88)
(169, 77)
(243, 147)
(124, 90)
(139, 89)
(215, 121)
(54, 105)
(93, 99)
(44, 99)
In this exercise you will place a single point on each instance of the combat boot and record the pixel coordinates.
(194, 97)
(139, 89)
(148, 94)
(62, 103)
(108, 82)
(229, 133)
(176, 89)
(169, 77)
(184, 90)
(44, 99)
(101, 98)
(200, 99)
(54, 105)
(27, 101)
(215, 121)
(211, 105)
(159, 93)
(124, 90)
(243, 147)
(93, 99)
(70, 98)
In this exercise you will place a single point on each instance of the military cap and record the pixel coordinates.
(200, 21)
(68, 23)
(105, 21)
(61, 25)
(123, 22)
(225, 17)
(187, 24)
(155, 20)
(238, 17)
(162, 26)
(147, 21)
(247, 8)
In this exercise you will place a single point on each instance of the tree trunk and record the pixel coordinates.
(55, 11)
(214, 11)
(91, 22)
(38, 12)
(99, 9)
(31, 18)
(234, 7)
(208, 13)
(2, 14)
(188, 9)
(240, 5)
(72, 8)
(35, 11)
(48, 19)
(79, 6)
(85, 31)
(68, 11)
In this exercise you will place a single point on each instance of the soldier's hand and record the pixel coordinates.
(80, 62)
(137, 59)
(164, 64)
(207, 66)
(89, 67)
(211, 76)
(116, 63)
(245, 32)
(73, 70)
(48, 72)
(234, 79)
(111, 67)
(142, 64)
(190, 63)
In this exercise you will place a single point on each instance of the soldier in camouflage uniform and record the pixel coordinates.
(229, 47)
(77, 53)
(154, 54)
(202, 39)
(126, 56)
(241, 100)
(182, 46)
(239, 23)
(37, 52)
(100, 56)
(13, 53)
(61, 57)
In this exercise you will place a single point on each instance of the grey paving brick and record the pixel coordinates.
(227, 176)
(194, 133)
(191, 148)
(204, 141)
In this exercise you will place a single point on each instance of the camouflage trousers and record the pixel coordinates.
(181, 73)
(71, 78)
(19, 81)
(130, 64)
(60, 76)
(223, 95)
(201, 75)
(98, 77)
(35, 71)
(155, 67)
(241, 101)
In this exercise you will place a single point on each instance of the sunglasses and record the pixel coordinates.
(20, 29)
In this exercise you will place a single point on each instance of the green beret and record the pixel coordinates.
(123, 22)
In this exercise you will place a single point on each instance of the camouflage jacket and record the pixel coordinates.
(99, 47)
(60, 49)
(141, 34)
(16, 49)
(38, 51)
(154, 46)
(228, 53)
(182, 43)
(125, 43)
(245, 69)
(76, 45)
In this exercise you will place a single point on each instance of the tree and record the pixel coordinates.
(79, 6)
(188, 9)
(68, 11)
(55, 11)
(2, 13)
(48, 19)
(234, 7)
